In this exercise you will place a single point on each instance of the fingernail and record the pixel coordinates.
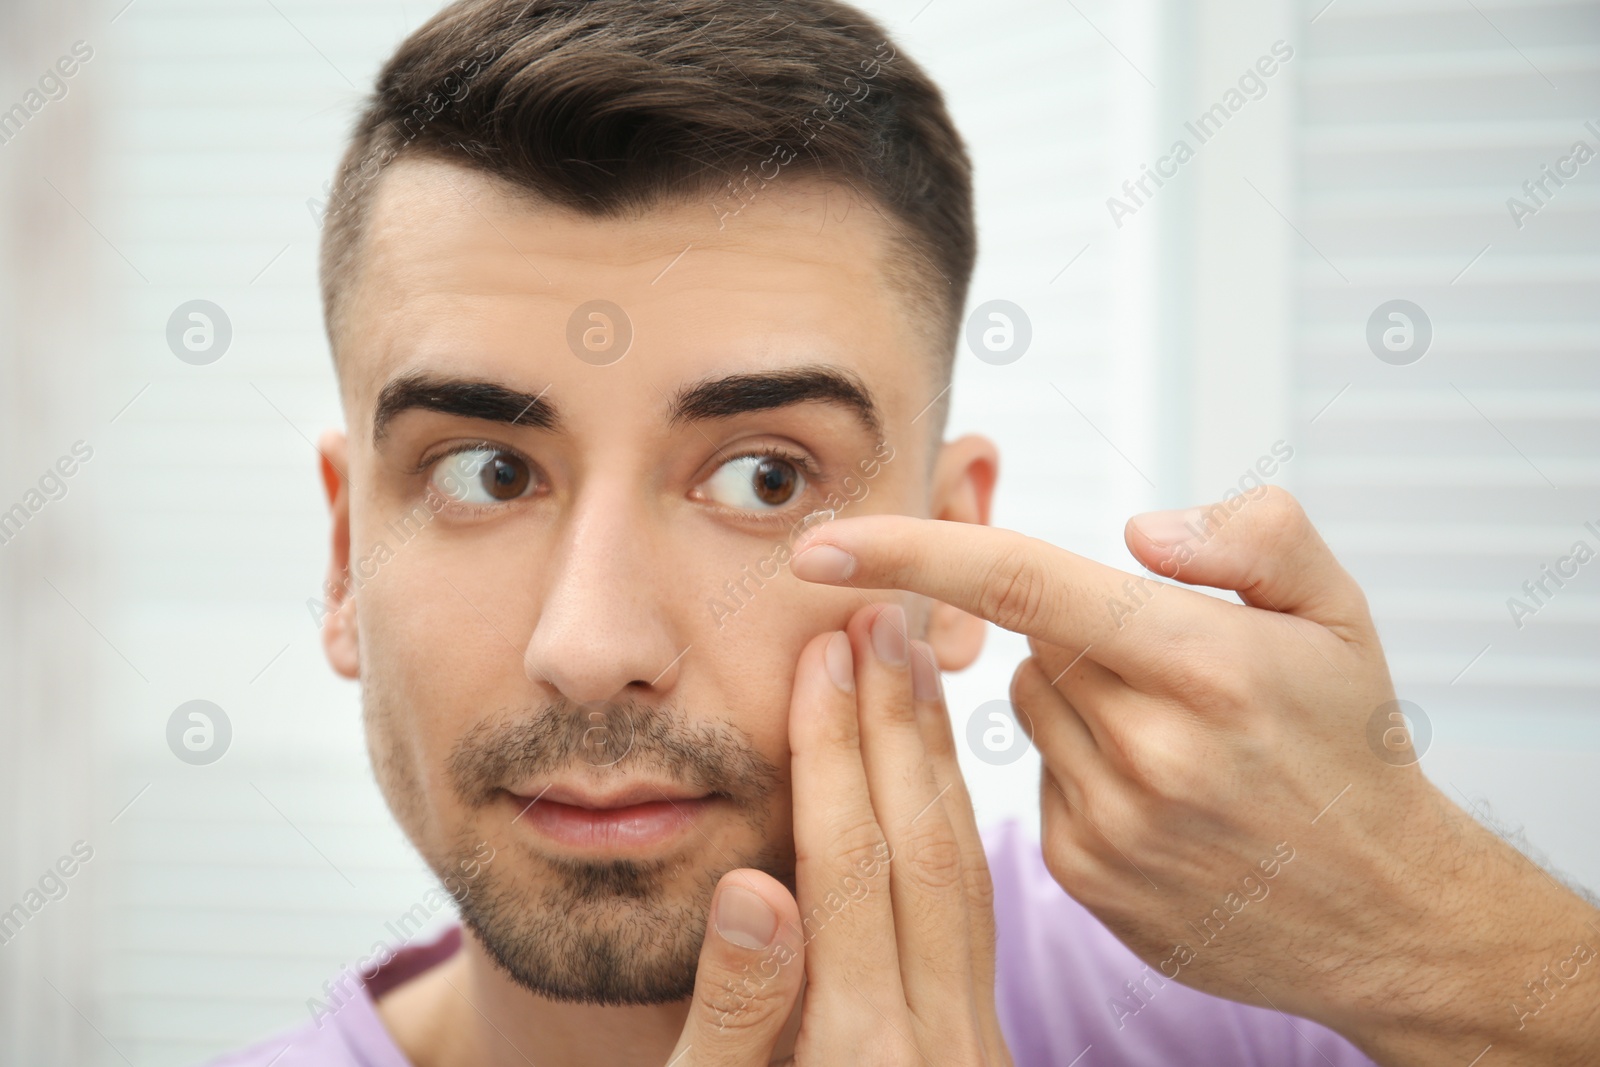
(889, 635)
(841, 664)
(1171, 527)
(744, 919)
(924, 672)
(823, 563)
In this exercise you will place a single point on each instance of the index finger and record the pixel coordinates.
(1017, 582)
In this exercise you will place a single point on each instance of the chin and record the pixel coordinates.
(604, 931)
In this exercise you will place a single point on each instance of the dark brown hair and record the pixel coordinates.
(612, 106)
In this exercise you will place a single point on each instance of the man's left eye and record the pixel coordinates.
(756, 483)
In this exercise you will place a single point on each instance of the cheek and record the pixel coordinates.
(430, 646)
(430, 665)
(440, 623)
(752, 656)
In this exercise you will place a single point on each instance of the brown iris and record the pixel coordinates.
(505, 477)
(774, 480)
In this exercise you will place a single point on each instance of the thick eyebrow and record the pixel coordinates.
(735, 394)
(468, 398)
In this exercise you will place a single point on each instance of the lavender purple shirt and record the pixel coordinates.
(1069, 995)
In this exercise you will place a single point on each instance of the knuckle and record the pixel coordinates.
(1260, 744)
(1225, 688)
(1054, 663)
(1360, 629)
(1068, 862)
(1028, 681)
(898, 712)
(1278, 513)
(1210, 678)
(736, 1001)
(1098, 814)
(934, 857)
(1013, 594)
(1095, 881)
(1087, 847)
(1281, 498)
(835, 728)
(861, 848)
(1156, 749)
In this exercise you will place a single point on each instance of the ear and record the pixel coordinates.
(963, 488)
(339, 609)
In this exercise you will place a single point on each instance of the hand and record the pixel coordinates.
(1223, 788)
(893, 931)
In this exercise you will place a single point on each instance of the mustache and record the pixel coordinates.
(623, 736)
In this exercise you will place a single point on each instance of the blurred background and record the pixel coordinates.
(171, 531)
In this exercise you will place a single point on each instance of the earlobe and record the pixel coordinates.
(338, 609)
(964, 477)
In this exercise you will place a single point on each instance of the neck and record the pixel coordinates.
(467, 1012)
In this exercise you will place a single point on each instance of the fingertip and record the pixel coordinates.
(754, 912)
(823, 700)
(1168, 529)
(1030, 684)
(773, 892)
(1159, 539)
(824, 563)
(1030, 670)
(812, 663)
(742, 917)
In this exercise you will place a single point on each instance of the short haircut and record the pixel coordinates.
(613, 106)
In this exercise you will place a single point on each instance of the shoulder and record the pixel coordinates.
(345, 1029)
(303, 1046)
(1064, 985)
(344, 1032)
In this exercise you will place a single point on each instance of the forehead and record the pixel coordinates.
(462, 274)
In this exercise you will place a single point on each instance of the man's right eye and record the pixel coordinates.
(481, 476)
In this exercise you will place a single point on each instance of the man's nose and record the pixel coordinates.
(604, 628)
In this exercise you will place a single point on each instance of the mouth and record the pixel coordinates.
(638, 818)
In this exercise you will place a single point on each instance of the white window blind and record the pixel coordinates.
(1447, 483)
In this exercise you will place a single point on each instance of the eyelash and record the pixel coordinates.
(430, 460)
(807, 465)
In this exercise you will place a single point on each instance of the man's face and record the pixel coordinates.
(571, 618)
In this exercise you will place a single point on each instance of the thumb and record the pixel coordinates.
(1263, 547)
(747, 984)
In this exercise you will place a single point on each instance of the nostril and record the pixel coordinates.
(664, 671)
(531, 670)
